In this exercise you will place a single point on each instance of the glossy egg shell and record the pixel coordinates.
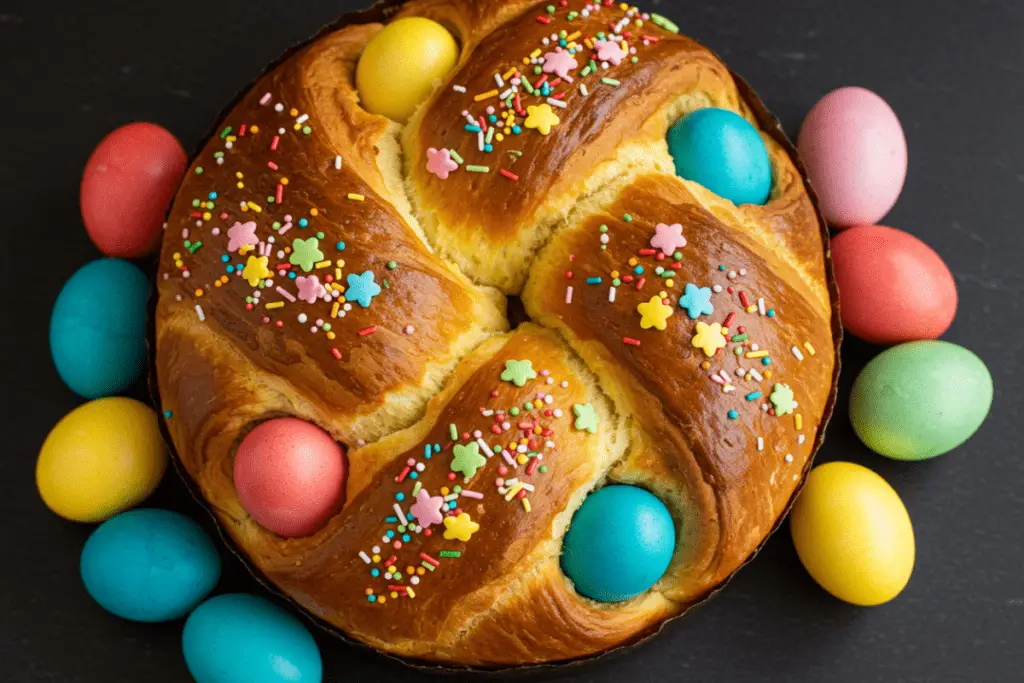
(128, 184)
(856, 156)
(239, 638)
(920, 399)
(853, 534)
(400, 64)
(102, 458)
(722, 151)
(290, 476)
(892, 286)
(149, 565)
(619, 543)
(98, 328)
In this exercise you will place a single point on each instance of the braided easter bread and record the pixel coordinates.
(326, 263)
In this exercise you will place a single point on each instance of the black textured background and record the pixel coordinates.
(952, 69)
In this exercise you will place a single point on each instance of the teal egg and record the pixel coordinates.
(723, 152)
(239, 638)
(921, 399)
(98, 328)
(618, 544)
(149, 565)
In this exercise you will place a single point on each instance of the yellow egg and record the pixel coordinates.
(399, 65)
(853, 534)
(102, 458)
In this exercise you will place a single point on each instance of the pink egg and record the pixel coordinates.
(856, 156)
(128, 184)
(290, 476)
(893, 287)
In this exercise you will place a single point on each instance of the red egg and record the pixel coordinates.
(893, 287)
(128, 184)
(290, 476)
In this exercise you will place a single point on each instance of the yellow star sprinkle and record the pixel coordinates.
(461, 527)
(541, 117)
(709, 338)
(255, 270)
(654, 313)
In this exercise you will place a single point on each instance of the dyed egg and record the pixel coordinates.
(239, 638)
(100, 459)
(921, 399)
(290, 476)
(856, 156)
(618, 544)
(98, 328)
(400, 65)
(128, 184)
(723, 152)
(149, 565)
(893, 287)
(853, 534)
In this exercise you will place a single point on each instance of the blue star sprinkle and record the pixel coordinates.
(696, 300)
(362, 289)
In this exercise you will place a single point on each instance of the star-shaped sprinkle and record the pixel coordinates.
(696, 300)
(518, 372)
(255, 270)
(586, 417)
(467, 459)
(668, 238)
(709, 338)
(427, 509)
(361, 288)
(460, 528)
(560, 63)
(654, 313)
(306, 253)
(310, 288)
(541, 117)
(440, 162)
(610, 51)
(782, 399)
(242, 235)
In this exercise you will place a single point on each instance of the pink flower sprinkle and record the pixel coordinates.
(560, 63)
(668, 238)
(440, 162)
(609, 51)
(242, 234)
(310, 288)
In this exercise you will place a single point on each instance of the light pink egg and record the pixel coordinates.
(856, 156)
(290, 476)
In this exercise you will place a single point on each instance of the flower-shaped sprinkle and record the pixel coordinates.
(668, 238)
(306, 253)
(782, 399)
(255, 270)
(541, 117)
(467, 459)
(242, 235)
(709, 338)
(610, 51)
(361, 288)
(696, 300)
(460, 528)
(427, 509)
(560, 63)
(654, 313)
(440, 162)
(518, 372)
(310, 288)
(586, 417)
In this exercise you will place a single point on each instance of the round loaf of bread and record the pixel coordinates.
(494, 322)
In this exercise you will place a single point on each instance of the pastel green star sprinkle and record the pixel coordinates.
(305, 253)
(782, 399)
(518, 372)
(586, 417)
(467, 459)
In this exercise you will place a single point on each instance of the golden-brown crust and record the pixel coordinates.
(431, 352)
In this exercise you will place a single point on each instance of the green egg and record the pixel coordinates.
(921, 399)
